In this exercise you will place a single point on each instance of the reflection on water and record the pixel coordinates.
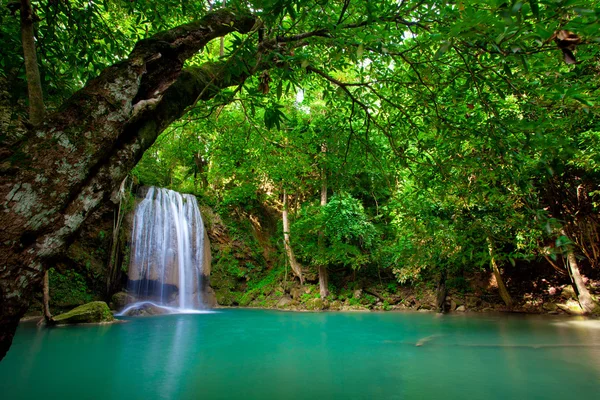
(256, 354)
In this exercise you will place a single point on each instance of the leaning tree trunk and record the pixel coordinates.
(296, 269)
(52, 181)
(583, 295)
(323, 275)
(501, 287)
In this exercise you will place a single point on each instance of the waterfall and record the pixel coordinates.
(167, 253)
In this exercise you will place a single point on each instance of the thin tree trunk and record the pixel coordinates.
(323, 281)
(34, 84)
(501, 287)
(441, 293)
(222, 41)
(583, 295)
(114, 249)
(46, 300)
(323, 275)
(296, 269)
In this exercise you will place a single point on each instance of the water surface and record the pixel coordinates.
(258, 354)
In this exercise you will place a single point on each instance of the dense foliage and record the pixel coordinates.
(447, 134)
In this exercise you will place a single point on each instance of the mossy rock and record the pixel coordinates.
(94, 312)
(146, 309)
(226, 297)
(247, 298)
(120, 300)
(315, 304)
(571, 307)
(284, 302)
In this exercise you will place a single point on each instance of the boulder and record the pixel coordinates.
(568, 292)
(461, 309)
(549, 306)
(119, 300)
(146, 309)
(453, 305)
(571, 307)
(296, 293)
(335, 305)
(94, 312)
(284, 302)
(209, 297)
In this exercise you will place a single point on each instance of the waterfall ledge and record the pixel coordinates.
(170, 255)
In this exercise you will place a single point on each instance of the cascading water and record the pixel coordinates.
(168, 252)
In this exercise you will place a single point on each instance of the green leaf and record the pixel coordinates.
(583, 100)
(517, 6)
(442, 50)
(535, 8)
(279, 90)
(524, 62)
(291, 11)
(360, 50)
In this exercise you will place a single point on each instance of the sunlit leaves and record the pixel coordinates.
(445, 121)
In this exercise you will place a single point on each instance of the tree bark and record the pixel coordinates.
(441, 293)
(583, 295)
(113, 261)
(32, 72)
(46, 300)
(222, 40)
(37, 110)
(76, 159)
(296, 269)
(501, 287)
(323, 274)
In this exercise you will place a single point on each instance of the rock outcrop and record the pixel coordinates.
(94, 312)
(146, 309)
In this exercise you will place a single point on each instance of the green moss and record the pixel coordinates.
(94, 312)
(68, 289)
(126, 259)
(315, 304)
(354, 302)
(226, 297)
(368, 300)
(306, 297)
